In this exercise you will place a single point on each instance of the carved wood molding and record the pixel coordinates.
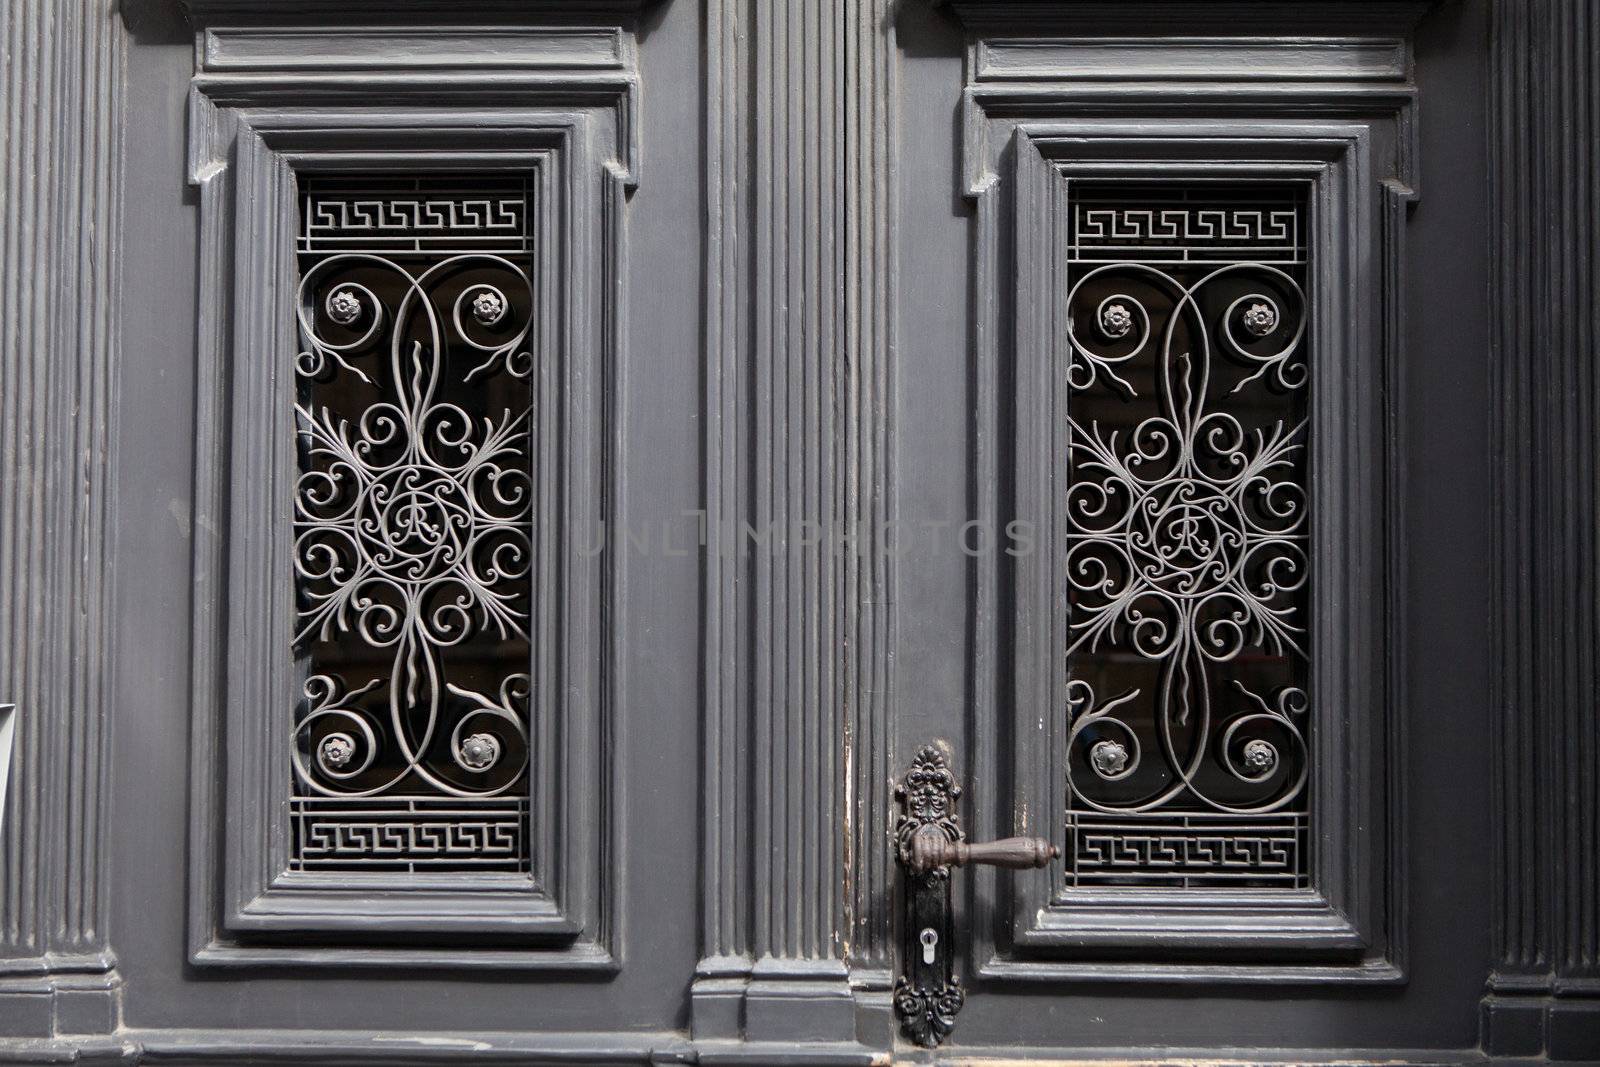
(1136, 18)
(59, 232)
(1544, 991)
(203, 12)
(203, 1047)
(798, 666)
(552, 106)
(1146, 90)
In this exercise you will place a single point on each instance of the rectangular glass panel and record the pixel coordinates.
(1187, 533)
(413, 516)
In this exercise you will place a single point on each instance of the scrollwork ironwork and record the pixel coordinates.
(413, 517)
(928, 792)
(1186, 549)
(928, 1015)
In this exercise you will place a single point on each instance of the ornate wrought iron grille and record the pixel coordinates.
(1186, 513)
(412, 525)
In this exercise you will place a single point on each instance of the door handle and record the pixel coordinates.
(930, 850)
(929, 843)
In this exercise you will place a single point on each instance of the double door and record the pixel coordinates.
(622, 507)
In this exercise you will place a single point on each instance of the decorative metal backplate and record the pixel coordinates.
(412, 520)
(1186, 511)
(927, 994)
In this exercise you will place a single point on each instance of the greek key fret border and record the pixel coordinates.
(1253, 226)
(413, 522)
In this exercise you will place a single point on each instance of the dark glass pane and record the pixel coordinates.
(413, 517)
(1186, 557)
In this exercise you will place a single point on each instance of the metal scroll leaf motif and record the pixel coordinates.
(1186, 563)
(927, 994)
(928, 1015)
(413, 515)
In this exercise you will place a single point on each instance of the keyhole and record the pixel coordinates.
(929, 938)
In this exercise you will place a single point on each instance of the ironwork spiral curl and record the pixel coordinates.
(412, 531)
(1187, 536)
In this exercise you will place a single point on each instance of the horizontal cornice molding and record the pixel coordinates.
(269, 77)
(479, 13)
(310, 50)
(1156, 18)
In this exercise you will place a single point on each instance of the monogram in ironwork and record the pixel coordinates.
(1186, 565)
(413, 519)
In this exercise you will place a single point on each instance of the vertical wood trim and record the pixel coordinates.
(1544, 130)
(1518, 933)
(208, 643)
(872, 219)
(59, 235)
(800, 280)
(1398, 198)
(725, 878)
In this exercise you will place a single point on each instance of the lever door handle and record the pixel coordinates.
(929, 842)
(931, 848)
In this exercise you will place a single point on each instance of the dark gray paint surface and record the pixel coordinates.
(655, 753)
(675, 917)
(1443, 539)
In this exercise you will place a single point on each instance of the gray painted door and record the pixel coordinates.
(606, 508)
(1196, 532)
(530, 297)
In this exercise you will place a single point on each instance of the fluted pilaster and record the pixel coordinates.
(801, 270)
(1544, 993)
(63, 68)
